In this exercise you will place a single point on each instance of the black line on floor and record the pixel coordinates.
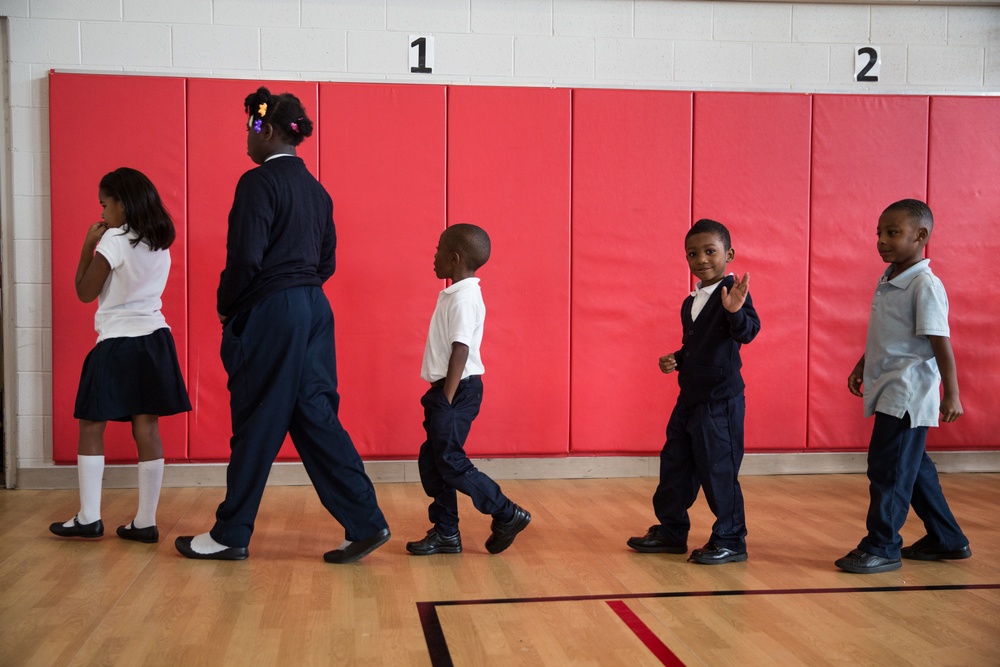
(437, 645)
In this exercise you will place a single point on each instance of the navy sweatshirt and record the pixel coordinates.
(281, 235)
(708, 363)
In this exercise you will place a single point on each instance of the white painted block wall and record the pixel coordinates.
(767, 46)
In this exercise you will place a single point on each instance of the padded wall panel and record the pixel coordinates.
(509, 172)
(751, 172)
(145, 130)
(383, 161)
(868, 151)
(964, 194)
(217, 130)
(631, 209)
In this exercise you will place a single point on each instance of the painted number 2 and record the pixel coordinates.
(421, 54)
(867, 64)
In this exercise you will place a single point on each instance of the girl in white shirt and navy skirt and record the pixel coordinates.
(132, 374)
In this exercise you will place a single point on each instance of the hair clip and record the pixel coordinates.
(294, 126)
(262, 109)
(257, 125)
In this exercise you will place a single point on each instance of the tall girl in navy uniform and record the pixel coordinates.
(278, 343)
(132, 374)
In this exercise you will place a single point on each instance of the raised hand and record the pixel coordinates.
(733, 300)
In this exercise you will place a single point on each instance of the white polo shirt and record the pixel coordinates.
(901, 373)
(458, 318)
(129, 303)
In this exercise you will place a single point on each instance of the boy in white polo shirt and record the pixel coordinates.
(453, 367)
(907, 358)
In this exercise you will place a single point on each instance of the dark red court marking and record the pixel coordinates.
(437, 645)
(642, 631)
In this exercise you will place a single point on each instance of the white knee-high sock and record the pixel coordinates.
(150, 481)
(90, 471)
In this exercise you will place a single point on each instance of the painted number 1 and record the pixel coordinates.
(421, 62)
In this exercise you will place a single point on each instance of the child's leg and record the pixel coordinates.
(443, 510)
(894, 457)
(930, 505)
(90, 470)
(678, 486)
(447, 428)
(146, 431)
(717, 434)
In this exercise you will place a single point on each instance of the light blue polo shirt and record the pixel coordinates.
(901, 374)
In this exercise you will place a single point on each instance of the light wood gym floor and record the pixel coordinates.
(568, 592)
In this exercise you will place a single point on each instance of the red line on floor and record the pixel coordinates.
(645, 635)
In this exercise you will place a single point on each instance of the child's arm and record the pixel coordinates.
(856, 377)
(951, 407)
(456, 366)
(93, 270)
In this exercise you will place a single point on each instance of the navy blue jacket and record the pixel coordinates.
(708, 363)
(281, 235)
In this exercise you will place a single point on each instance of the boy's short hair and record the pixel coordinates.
(706, 226)
(472, 243)
(918, 211)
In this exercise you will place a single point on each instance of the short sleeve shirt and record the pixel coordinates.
(901, 373)
(129, 303)
(459, 317)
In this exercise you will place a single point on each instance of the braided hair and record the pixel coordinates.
(284, 113)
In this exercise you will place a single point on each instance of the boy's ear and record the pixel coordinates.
(730, 255)
(922, 234)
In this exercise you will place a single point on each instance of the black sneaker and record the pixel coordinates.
(434, 543)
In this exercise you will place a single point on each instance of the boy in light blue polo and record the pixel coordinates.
(907, 358)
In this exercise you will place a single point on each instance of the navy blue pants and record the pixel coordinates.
(282, 368)
(900, 473)
(444, 467)
(704, 449)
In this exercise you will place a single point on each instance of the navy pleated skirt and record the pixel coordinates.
(122, 377)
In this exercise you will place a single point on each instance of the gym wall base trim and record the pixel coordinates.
(574, 467)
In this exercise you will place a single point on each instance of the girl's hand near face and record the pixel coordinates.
(94, 234)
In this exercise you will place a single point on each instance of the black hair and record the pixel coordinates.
(706, 226)
(284, 113)
(918, 211)
(144, 211)
(472, 243)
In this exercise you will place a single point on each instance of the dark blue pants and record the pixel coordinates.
(444, 467)
(704, 449)
(282, 369)
(900, 473)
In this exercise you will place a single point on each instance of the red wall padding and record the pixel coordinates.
(509, 172)
(217, 130)
(751, 172)
(383, 158)
(587, 195)
(964, 194)
(868, 151)
(631, 209)
(97, 124)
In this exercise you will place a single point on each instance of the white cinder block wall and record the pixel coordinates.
(773, 46)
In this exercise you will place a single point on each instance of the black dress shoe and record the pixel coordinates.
(357, 550)
(88, 530)
(149, 535)
(862, 562)
(713, 554)
(652, 543)
(183, 545)
(504, 532)
(925, 549)
(435, 543)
